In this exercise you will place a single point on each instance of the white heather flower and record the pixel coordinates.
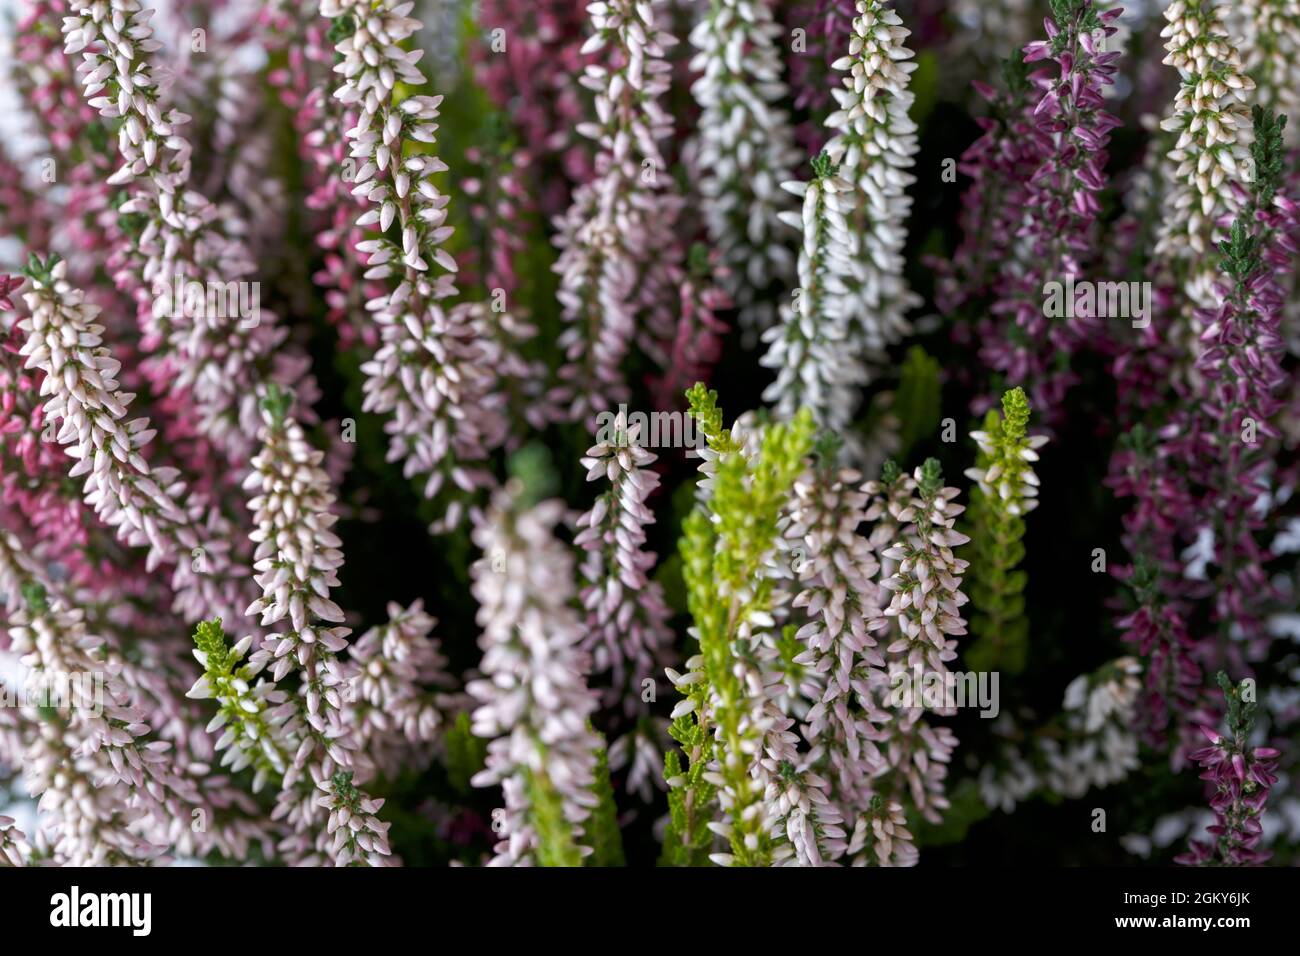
(613, 236)
(875, 146)
(746, 148)
(534, 705)
(1099, 747)
(809, 348)
(146, 507)
(1270, 53)
(1212, 118)
(1090, 745)
(431, 372)
(1017, 488)
(221, 359)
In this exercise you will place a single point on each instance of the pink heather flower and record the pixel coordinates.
(1057, 221)
(221, 360)
(432, 371)
(1241, 776)
(8, 284)
(613, 268)
(397, 684)
(627, 619)
(533, 701)
(321, 122)
(14, 849)
(142, 504)
(109, 788)
(836, 568)
(503, 210)
(924, 578)
(296, 562)
(534, 80)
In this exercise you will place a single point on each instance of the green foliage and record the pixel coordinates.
(924, 86)
(966, 809)
(918, 400)
(823, 167)
(532, 467)
(277, 402)
(1241, 712)
(1269, 152)
(341, 28)
(41, 270)
(994, 582)
(465, 753)
(229, 685)
(723, 548)
(602, 830)
(35, 597)
(555, 844)
(690, 796)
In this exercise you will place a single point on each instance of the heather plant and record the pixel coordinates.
(339, 524)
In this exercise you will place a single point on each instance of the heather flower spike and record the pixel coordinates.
(532, 702)
(1006, 490)
(1241, 777)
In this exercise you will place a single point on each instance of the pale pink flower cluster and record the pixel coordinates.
(219, 359)
(533, 701)
(615, 239)
(147, 507)
(296, 565)
(627, 618)
(15, 851)
(432, 372)
(111, 789)
(398, 688)
(837, 568)
(923, 576)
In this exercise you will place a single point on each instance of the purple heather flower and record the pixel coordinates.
(1241, 777)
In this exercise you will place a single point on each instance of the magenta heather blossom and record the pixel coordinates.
(1070, 133)
(534, 79)
(1241, 776)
